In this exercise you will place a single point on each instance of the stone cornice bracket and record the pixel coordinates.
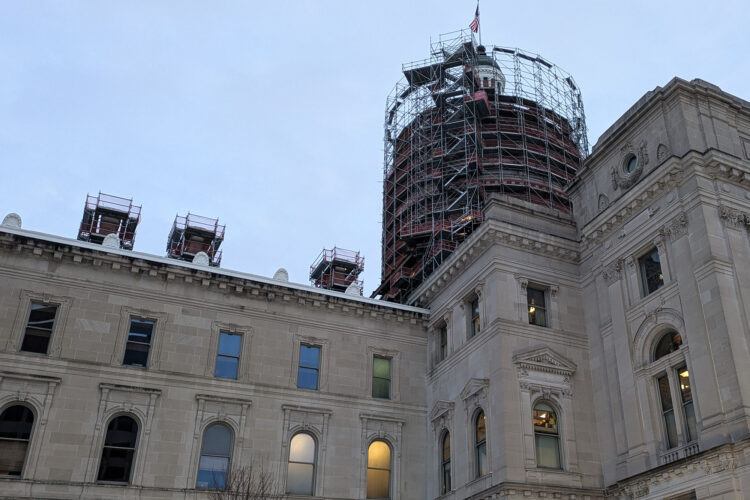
(733, 218)
(611, 271)
(676, 228)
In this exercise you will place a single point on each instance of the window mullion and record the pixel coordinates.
(674, 389)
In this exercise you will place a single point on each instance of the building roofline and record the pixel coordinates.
(214, 270)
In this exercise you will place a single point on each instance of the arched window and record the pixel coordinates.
(445, 464)
(379, 470)
(673, 377)
(546, 436)
(216, 450)
(15, 432)
(301, 472)
(480, 443)
(668, 343)
(119, 450)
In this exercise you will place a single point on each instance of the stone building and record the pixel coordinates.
(591, 353)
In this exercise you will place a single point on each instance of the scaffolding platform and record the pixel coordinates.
(192, 234)
(106, 214)
(336, 269)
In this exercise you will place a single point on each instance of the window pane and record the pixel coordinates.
(671, 428)
(122, 432)
(212, 472)
(545, 419)
(684, 379)
(651, 272)
(140, 330)
(35, 340)
(690, 421)
(669, 342)
(42, 316)
(381, 388)
(447, 447)
(309, 356)
(226, 367)
(547, 451)
(665, 394)
(302, 448)
(136, 354)
(12, 457)
(300, 479)
(446, 477)
(381, 367)
(307, 378)
(379, 455)
(482, 459)
(217, 440)
(480, 427)
(16, 422)
(378, 483)
(116, 464)
(229, 344)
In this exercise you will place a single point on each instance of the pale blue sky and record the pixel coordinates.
(269, 115)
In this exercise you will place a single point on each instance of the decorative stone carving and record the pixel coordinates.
(603, 202)
(625, 180)
(441, 416)
(733, 218)
(474, 394)
(281, 274)
(12, 220)
(201, 259)
(611, 271)
(353, 289)
(111, 241)
(544, 359)
(662, 152)
(676, 228)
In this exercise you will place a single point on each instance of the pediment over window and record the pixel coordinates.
(544, 359)
(473, 386)
(440, 409)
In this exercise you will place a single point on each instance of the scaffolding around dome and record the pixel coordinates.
(467, 122)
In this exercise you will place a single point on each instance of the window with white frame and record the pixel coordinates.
(16, 423)
(674, 390)
(300, 479)
(228, 355)
(546, 436)
(652, 277)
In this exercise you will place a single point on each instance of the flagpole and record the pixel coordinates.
(480, 25)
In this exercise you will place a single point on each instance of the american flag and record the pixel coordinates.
(474, 26)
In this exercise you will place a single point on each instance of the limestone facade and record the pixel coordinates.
(570, 396)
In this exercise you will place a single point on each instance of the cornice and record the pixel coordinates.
(494, 232)
(114, 260)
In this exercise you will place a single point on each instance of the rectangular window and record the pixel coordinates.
(381, 377)
(228, 355)
(665, 395)
(443, 339)
(687, 402)
(651, 276)
(537, 306)
(475, 319)
(309, 367)
(39, 328)
(139, 342)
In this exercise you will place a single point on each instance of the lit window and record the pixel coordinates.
(546, 436)
(480, 444)
(228, 355)
(119, 450)
(309, 367)
(674, 375)
(669, 342)
(39, 328)
(537, 306)
(15, 432)
(381, 377)
(301, 472)
(216, 450)
(379, 470)
(139, 342)
(651, 275)
(445, 468)
(475, 318)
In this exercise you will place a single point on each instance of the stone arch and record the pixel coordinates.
(655, 324)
